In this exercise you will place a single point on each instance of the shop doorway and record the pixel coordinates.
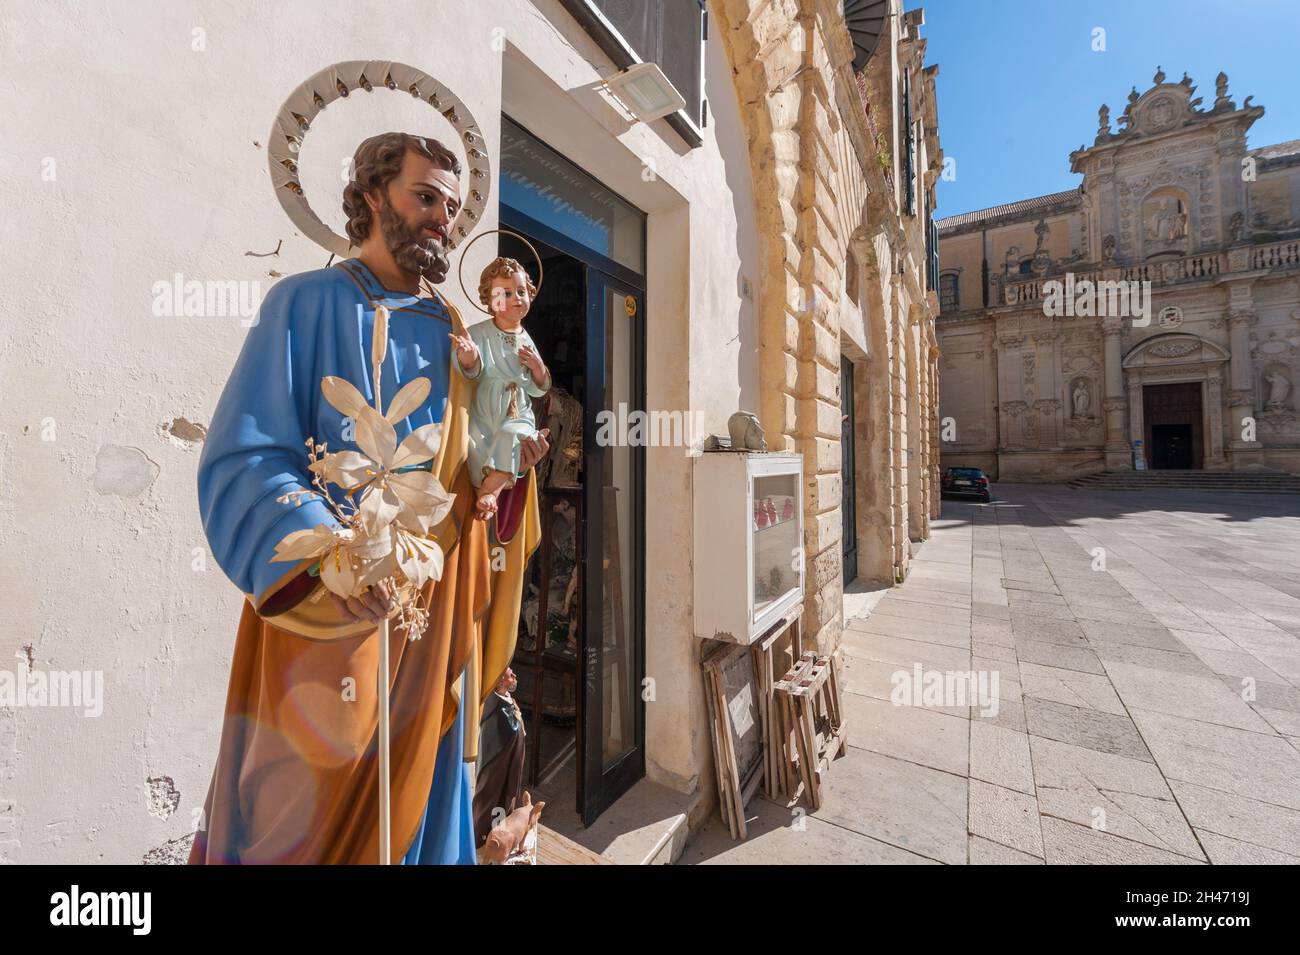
(580, 656)
(1172, 415)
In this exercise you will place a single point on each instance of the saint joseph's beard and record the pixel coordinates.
(427, 257)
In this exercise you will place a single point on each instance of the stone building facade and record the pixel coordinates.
(844, 162)
(1046, 373)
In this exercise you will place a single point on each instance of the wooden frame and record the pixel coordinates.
(729, 670)
(809, 708)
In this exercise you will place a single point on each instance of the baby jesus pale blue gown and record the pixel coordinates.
(501, 416)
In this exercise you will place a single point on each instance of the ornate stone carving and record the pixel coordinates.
(1221, 100)
(1170, 317)
(1081, 399)
(1279, 389)
(1164, 222)
(1160, 115)
(1173, 349)
(1236, 227)
(1103, 123)
(1042, 260)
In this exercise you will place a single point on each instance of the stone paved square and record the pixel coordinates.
(1148, 653)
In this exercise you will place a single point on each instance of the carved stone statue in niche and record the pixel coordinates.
(1042, 258)
(1279, 387)
(1167, 222)
(1163, 222)
(1081, 399)
(1236, 227)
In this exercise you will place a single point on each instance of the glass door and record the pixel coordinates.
(611, 709)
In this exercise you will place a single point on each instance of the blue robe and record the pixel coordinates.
(311, 325)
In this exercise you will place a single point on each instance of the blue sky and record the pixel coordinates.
(1019, 84)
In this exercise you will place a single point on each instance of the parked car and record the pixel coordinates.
(970, 481)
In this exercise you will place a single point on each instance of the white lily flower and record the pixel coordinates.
(415, 499)
(313, 542)
(386, 537)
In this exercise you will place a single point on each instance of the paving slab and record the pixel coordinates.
(1006, 817)
(897, 802)
(1088, 728)
(1240, 818)
(1256, 765)
(1067, 843)
(918, 734)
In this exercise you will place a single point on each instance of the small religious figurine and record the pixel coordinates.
(508, 838)
(562, 414)
(500, 756)
(504, 359)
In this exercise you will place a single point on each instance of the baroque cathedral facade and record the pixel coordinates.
(1188, 353)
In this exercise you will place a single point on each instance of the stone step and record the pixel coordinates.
(1258, 481)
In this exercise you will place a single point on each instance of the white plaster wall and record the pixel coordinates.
(157, 171)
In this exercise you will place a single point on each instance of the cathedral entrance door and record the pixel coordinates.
(1173, 417)
(1171, 446)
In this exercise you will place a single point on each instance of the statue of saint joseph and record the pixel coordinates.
(296, 776)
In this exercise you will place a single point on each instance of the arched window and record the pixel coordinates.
(1027, 266)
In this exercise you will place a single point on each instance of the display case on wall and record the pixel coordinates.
(749, 567)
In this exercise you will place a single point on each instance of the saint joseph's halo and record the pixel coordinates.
(360, 78)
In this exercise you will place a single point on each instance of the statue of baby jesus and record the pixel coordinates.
(504, 359)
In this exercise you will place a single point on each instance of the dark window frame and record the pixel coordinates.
(909, 146)
(955, 299)
(617, 48)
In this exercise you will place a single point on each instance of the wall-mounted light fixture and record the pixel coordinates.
(646, 92)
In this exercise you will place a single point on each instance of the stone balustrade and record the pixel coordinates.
(1203, 265)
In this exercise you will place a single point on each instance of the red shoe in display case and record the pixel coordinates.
(787, 512)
